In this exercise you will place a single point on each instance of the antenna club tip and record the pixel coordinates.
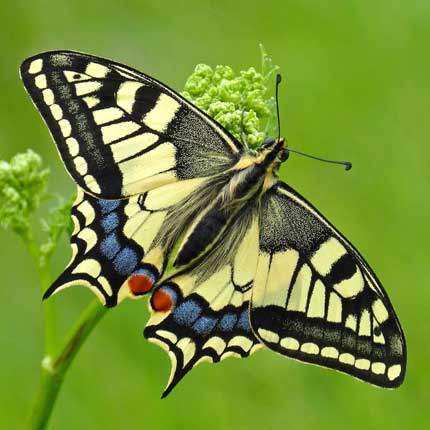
(278, 78)
(348, 165)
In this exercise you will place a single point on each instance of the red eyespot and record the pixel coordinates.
(161, 301)
(140, 284)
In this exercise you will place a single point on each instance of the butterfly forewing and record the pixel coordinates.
(316, 299)
(120, 132)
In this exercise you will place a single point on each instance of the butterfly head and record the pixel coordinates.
(273, 151)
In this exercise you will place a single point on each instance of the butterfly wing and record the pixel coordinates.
(203, 314)
(315, 299)
(120, 132)
(112, 239)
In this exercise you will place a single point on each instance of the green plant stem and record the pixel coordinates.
(56, 360)
(49, 312)
(49, 308)
(55, 367)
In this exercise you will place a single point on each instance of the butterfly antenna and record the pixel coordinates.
(347, 164)
(278, 81)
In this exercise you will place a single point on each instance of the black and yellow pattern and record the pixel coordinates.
(316, 299)
(118, 131)
(112, 239)
(169, 203)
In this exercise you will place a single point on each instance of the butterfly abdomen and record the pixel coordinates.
(207, 230)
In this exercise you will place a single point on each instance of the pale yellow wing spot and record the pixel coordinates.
(162, 114)
(327, 254)
(299, 293)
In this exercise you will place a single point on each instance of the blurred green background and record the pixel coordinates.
(356, 87)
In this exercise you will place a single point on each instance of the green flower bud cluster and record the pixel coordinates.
(23, 187)
(239, 102)
(23, 183)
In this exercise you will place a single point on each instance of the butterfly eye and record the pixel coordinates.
(267, 142)
(283, 156)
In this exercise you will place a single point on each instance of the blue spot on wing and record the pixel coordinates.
(110, 246)
(108, 205)
(204, 325)
(243, 322)
(110, 222)
(125, 261)
(227, 322)
(187, 312)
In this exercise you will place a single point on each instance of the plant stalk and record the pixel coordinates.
(55, 367)
(49, 308)
(56, 360)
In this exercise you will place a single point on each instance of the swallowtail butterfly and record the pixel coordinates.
(171, 204)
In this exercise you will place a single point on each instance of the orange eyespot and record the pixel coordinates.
(162, 301)
(140, 284)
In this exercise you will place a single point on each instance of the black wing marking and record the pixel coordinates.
(317, 300)
(120, 132)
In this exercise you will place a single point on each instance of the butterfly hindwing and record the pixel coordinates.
(113, 238)
(316, 299)
(120, 132)
(203, 314)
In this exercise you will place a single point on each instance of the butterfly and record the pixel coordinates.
(172, 205)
